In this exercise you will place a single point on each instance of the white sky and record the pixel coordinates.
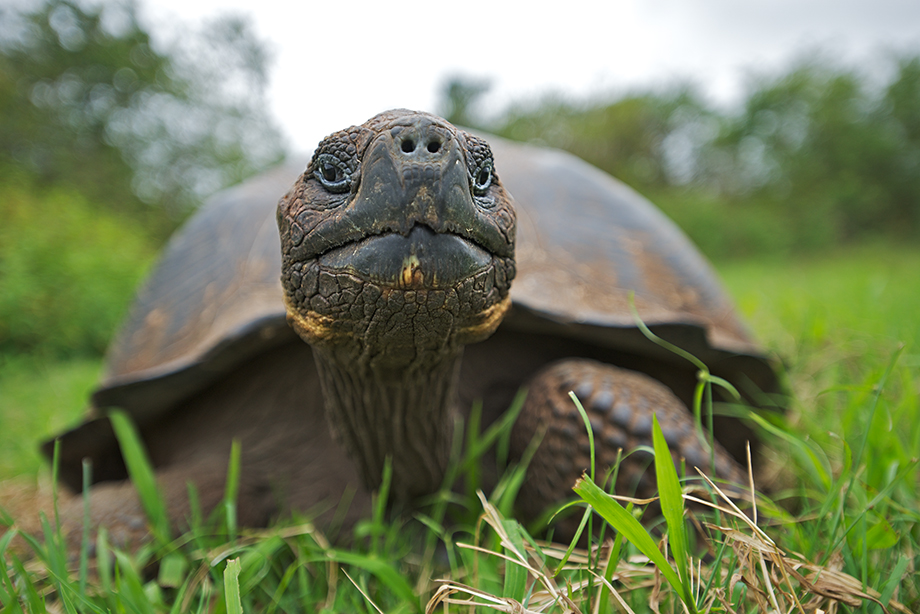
(338, 62)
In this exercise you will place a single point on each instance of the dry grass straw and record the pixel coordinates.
(773, 580)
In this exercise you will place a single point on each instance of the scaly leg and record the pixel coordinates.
(620, 405)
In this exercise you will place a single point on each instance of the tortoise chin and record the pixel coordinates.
(422, 260)
(423, 291)
(409, 294)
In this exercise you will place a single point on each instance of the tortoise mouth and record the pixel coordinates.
(421, 259)
(395, 290)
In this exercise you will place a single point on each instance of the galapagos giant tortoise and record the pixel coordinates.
(398, 247)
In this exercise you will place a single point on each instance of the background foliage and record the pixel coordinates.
(106, 143)
(62, 289)
(819, 156)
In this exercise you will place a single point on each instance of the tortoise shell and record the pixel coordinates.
(586, 244)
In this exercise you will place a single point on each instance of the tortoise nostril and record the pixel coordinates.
(434, 146)
(408, 145)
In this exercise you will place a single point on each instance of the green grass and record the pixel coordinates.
(847, 327)
(852, 301)
(839, 514)
(38, 398)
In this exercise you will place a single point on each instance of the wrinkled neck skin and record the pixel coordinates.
(397, 250)
(396, 409)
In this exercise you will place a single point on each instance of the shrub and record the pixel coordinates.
(67, 271)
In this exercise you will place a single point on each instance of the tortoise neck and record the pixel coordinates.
(404, 413)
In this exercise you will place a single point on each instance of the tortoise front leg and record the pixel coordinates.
(620, 405)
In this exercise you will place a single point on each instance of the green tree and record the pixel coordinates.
(817, 155)
(459, 98)
(827, 150)
(902, 102)
(106, 142)
(88, 102)
(644, 139)
(67, 272)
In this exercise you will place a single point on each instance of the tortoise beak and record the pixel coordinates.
(423, 259)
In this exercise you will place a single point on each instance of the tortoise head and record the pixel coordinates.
(397, 241)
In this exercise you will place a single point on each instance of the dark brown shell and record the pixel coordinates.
(585, 243)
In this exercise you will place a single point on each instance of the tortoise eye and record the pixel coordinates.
(483, 178)
(332, 173)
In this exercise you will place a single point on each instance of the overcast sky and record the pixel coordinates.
(336, 63)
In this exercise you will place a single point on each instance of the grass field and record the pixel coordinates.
(38, 398)
(841, 475)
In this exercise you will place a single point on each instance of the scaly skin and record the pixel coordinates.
(620, 405)
(394, 258)
(397, 248)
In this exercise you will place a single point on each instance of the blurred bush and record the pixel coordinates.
(67, 271)
(819, 156)
(107, 140)
(827, 149)
(89, 101)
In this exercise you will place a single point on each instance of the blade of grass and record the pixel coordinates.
(104, 560)
(625, 523)
(591, 457)
(572, 544)
(256, 562)
(876, 397)
(141, 472)
(54, 552)
(506, 491)
(55, 468)
(27, 589)
(172, 572)
(84, 541)
(699, 364)
(8, 593)
(515, 582)
(180, 597)
(822, 470)
(384, 571)
(363, 592)
(232, 489)
(894, 579)
(232, 587)
(500, 427)
(672, 508)
(378, 522)
(703, 394)
(129, 589)
(611, 568)
(283, 584)
(588, 429)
